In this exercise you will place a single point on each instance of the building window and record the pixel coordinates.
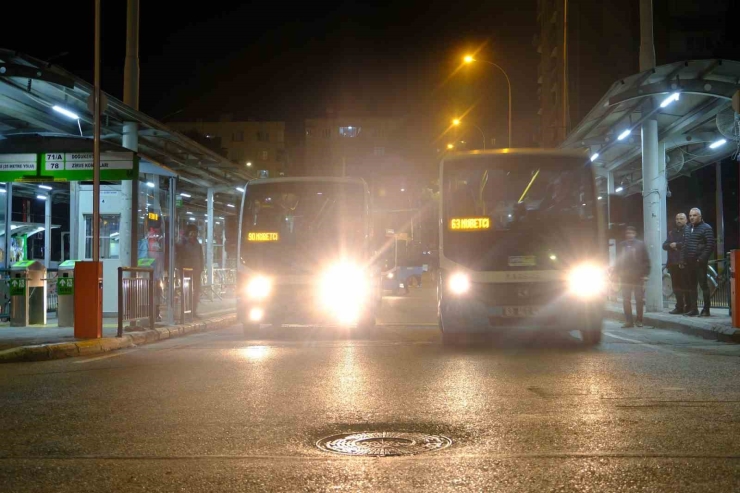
(266, 155)
(326, 133)
(309, 132)
(263, 136)
(349, 131)
(237, 136)
(379, 151)
(237, 154)
(280, 157)
(109, 241)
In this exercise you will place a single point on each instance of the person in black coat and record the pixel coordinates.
(633, 269)
(698, 246)
(190, 256)
(674, 245)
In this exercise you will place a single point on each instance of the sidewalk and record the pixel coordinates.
(40, 342)
(718, 326)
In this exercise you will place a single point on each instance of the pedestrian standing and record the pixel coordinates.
(698, 246)
(674, 245)
(633, 269)
(191, 253)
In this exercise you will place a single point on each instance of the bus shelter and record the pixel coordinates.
(154, 180)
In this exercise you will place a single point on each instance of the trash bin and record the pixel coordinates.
(28, 293)
(66, 294)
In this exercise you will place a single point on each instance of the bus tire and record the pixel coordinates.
(591, 336)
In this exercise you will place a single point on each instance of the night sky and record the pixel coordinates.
(266, 61)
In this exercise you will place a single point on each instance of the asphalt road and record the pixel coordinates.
(648, 410)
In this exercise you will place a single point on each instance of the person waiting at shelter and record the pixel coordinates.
(632, 268)
(674, 245)
(697, 249)
(191, 257)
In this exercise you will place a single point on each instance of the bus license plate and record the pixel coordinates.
(521, 311)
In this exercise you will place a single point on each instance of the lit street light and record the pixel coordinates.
(456, 122)
(469, 59)
(450, 146)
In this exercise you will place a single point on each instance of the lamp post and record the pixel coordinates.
(470, 59)
(456, 122)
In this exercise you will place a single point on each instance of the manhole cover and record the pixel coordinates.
(383, 443)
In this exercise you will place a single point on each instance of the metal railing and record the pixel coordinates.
(718, 279)
(135, 296)
(186, 297)
(52, 299)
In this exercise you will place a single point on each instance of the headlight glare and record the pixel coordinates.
(344, 289)
(459, 283)
(587, 281)
(259, 287)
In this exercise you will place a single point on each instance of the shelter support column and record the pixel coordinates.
(209, 241)
(8, 221)
(74, 201)
(651, 204)
(129, 189)
(171, 251)
(47, 230)
(720, 208)
(662, 186)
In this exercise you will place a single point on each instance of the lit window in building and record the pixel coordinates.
(349, 131)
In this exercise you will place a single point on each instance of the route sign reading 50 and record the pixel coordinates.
(470, 223)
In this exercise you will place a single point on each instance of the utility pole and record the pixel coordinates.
(130, 188)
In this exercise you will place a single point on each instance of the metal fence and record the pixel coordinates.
(135, 296)
(52, 299)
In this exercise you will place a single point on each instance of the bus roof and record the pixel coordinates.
(517, 152)
(309, 179)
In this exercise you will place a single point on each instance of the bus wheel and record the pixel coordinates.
(591, 336)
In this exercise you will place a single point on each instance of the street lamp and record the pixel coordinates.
(469, 59)
(456, 122)
(450, 146)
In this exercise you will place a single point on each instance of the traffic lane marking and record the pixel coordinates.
(642, 343)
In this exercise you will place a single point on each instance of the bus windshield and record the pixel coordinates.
(523, 212)
(295, 227)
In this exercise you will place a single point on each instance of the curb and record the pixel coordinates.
(721, 333)
(45, 352)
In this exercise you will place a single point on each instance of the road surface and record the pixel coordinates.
(648, 410)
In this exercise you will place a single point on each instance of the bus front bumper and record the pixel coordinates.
(461, 315)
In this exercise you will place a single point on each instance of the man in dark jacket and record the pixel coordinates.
(191, 257)
(673, 245)
(698, 246)
(633, 269)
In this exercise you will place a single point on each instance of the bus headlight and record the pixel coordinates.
(344, 288)
(587, 281)
(459, 283)
(258, 288)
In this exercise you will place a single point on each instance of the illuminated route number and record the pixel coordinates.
(262, 237)
(470, 223)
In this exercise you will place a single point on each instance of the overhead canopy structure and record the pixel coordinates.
(691, 102)
(30, 89)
